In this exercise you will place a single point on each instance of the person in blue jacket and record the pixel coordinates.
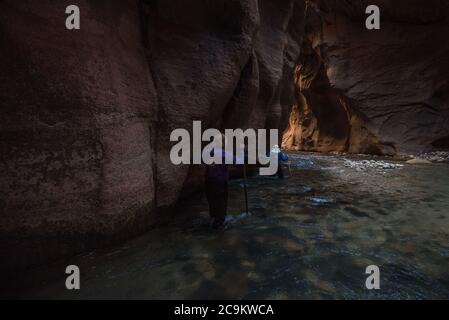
(282, 157)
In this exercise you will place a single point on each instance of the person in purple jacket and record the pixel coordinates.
(217, 177)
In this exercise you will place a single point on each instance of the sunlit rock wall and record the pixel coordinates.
(379, 91)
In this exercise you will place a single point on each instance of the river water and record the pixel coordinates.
(309, 236)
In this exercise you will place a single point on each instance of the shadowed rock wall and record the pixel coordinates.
(86, 115)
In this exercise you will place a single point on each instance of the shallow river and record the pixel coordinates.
(309, 236)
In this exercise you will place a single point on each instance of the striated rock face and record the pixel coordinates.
(382, 91)
(86, 115)
(323, 118)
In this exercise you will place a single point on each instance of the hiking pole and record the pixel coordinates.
(245, 186)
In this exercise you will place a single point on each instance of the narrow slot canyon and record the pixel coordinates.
(85, 148)
(323, 119)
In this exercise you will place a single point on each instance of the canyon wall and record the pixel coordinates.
(86, 115)
(382, 91)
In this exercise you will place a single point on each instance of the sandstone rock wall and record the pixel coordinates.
(381, 91)
(86, 115)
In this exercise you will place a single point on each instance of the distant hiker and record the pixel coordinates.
(217, 177)
(281, 157)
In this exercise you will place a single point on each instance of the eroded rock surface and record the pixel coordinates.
(381, 91)
(86, 115)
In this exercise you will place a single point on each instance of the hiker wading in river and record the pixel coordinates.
(282, 157)
(217, 177)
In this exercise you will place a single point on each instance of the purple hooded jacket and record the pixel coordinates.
(220, 172)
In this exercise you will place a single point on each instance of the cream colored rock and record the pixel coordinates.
(418, 161)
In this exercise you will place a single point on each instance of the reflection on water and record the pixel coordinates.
(309, 236)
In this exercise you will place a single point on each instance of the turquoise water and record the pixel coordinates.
(309, 236)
